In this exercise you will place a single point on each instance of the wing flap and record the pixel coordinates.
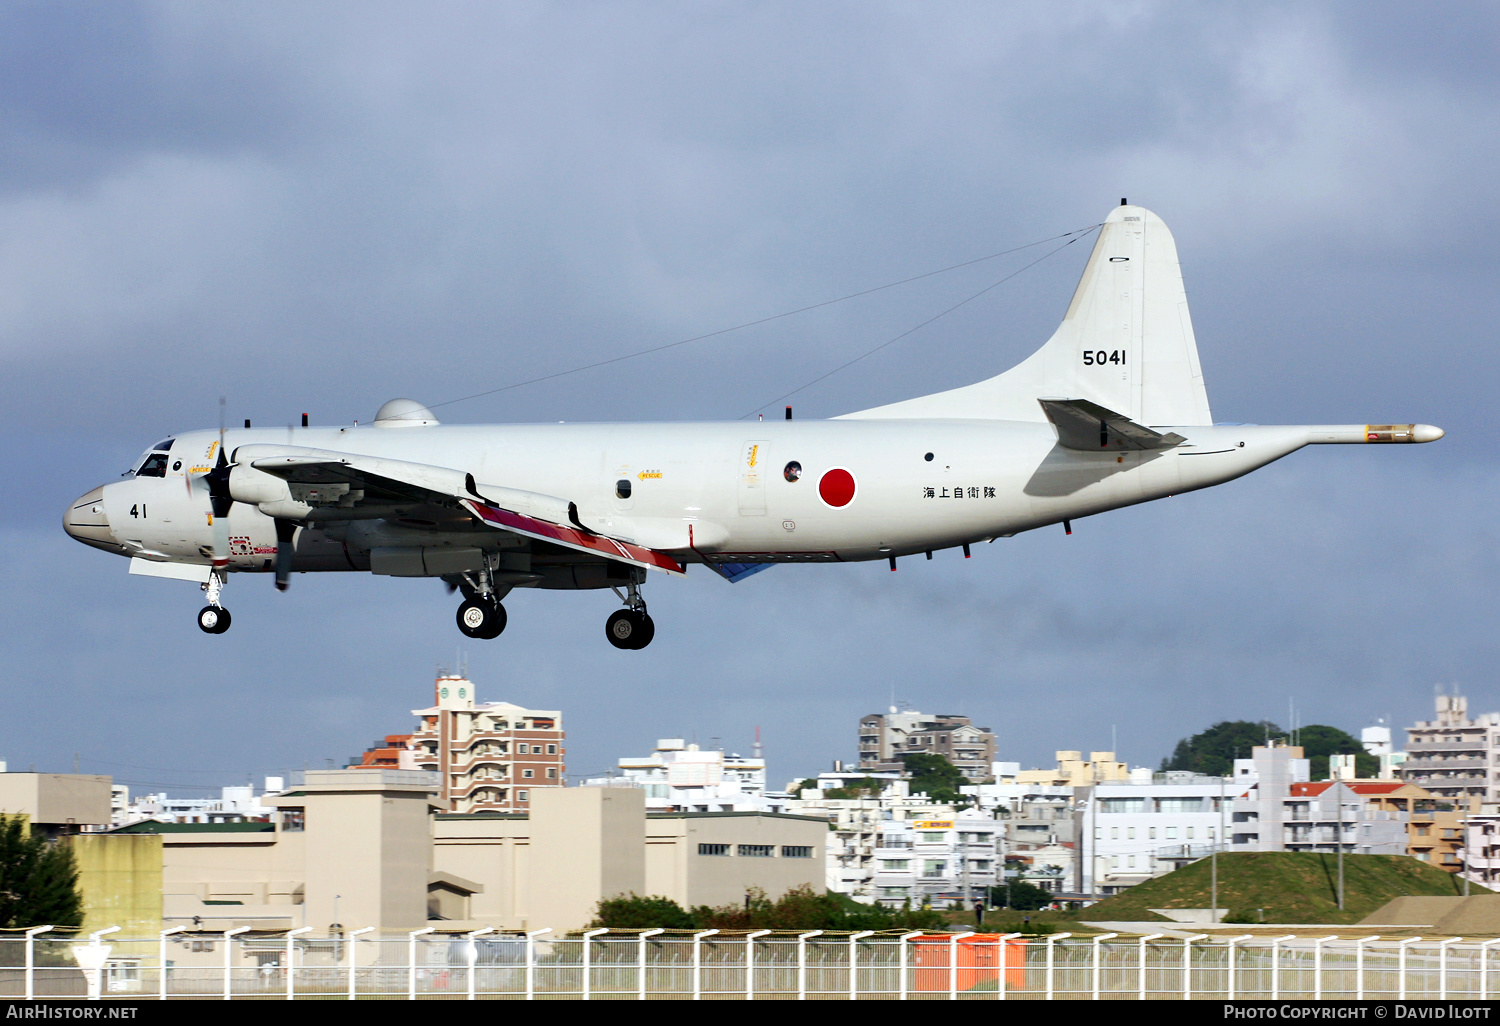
(578, 538)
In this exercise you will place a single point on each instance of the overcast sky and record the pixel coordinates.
(318, 207)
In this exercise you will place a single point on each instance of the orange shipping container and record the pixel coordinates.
(978, 961)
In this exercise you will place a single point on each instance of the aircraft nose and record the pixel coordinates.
(86, 520)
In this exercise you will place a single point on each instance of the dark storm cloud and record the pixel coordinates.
(320, 207)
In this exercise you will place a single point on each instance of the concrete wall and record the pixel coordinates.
(587, 843)
(120, 876)
(676, 870)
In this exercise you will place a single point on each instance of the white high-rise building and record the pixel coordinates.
(681, 777)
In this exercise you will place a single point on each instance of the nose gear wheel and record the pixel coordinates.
(213, 619)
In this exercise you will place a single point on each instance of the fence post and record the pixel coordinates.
(641, 960)
(1187, 965)
(1141, 964)
(1003, 943)
(953, 939)
(1359, 966)
(531, 937)
(698, 962)
(802, 963)
(588, 936)
(854, 939)
(1484, 968)
(229, 936)
(31, 960)
(1094, 972)
(353, 960)
(411, 960)
(162, 959)
(1401, 965)
(750, 962)
(1276, 965)
(291, 959)
(902, 988)
(1318, 966)
(1232, 942)
(1443, 967)
(1055, 937)
(472, 954)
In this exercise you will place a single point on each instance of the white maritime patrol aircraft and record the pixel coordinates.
(1112, 411)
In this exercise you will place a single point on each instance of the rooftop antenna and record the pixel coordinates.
(757, 743)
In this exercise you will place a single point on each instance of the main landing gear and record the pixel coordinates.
(213, 618)
(631, 627)
(481, 616)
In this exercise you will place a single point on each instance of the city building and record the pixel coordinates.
(1455, 757)
(955, 858)
(1479, 857)
(681, 777)
(885, 739)
(238, 804)
(489, 757)
(1137, 831)
(1073, 770)
(855, 824)
(56, 803)
(355, 848)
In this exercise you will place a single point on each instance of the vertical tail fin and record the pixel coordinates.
(1126, 342)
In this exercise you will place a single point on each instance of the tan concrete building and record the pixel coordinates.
(1073, 770)
(359, 847)
(57, 803)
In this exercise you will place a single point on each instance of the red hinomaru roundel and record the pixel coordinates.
(836, 487)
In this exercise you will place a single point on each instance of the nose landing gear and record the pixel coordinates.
(213, 618)
(630, 628)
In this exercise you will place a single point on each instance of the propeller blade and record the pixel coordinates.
(285, 531)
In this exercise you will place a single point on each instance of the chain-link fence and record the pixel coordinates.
(763, 965)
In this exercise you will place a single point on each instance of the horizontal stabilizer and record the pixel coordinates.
(1089, 427)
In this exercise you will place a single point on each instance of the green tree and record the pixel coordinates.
(937, 777)
(1021, 896)
(633, 912)
(1214, 750)
(1319, 742)
(38, 879)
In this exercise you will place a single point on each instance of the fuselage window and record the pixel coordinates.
(154, 465)
(622, 488)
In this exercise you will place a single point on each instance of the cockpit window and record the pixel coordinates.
(154, 465)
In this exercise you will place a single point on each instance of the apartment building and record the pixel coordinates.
(1454, 757)
(1135, 832)
(855, 826)
(885, 739)
(681, 777)
(489, 757)
(938, 860)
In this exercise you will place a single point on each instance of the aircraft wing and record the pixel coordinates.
(1092, 428)
(336, 481)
